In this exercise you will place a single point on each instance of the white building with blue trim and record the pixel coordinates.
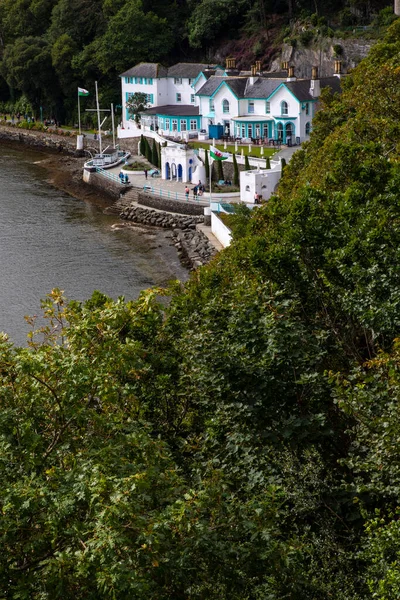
(253, 106)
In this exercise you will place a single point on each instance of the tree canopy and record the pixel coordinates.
(235, 437)
(79, 42)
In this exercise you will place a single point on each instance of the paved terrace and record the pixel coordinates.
(171, 188)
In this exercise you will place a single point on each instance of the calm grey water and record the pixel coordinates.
(49, 239)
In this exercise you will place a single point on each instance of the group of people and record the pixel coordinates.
(123, 177)
(198, 190)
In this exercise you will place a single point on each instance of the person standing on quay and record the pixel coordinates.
(187, 193)
(145, 173)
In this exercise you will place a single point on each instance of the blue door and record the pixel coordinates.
(180, 172)
(167, 170)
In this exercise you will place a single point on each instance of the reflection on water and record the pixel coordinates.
(49, 239)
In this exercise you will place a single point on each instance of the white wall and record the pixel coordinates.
(184, 88)
(224, 93)
(220, 230)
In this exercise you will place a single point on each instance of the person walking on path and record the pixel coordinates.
(187, 193)
(145, 173)
(195, 192)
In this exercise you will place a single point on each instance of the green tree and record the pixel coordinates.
(220, 170)
(159, 156)
(147, 149)
(154, 154)
(207, 164)
(133, 36)
(136, 104)
(235, 170)
(246, 163)
(142, 145)
(27, 66)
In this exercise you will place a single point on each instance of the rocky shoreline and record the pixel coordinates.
(193, 247)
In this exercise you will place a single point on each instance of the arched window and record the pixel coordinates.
(247, 188)
(225, 106)
(308, 128)
(284, 108)
(289, 129)
(279, 131)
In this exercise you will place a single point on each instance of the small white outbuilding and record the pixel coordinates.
(262, 182)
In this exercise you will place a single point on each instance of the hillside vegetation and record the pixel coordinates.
(50, 47)
(242, 442)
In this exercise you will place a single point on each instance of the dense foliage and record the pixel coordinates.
(238, 440)
(50, 47)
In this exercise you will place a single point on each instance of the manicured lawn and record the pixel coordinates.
(255, 150)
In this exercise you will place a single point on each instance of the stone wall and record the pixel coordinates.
(227, 168)
(108, 186)
(158, 218)
(173, 206)
(193, 247)
(40, 140)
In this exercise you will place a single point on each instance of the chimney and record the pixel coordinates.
(258, 66)
(230, 64)
(285, 65)
(291, 76)
(397, 8)
(338, 68)
(253, 75)
(315, 84)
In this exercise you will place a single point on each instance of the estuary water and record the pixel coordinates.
(49, 239)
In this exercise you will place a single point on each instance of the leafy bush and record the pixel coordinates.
(337, 49)
(385, 17)
(347, 18)
(306, 37)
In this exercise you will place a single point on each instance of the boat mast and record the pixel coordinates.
(98, 116)
(112, 121)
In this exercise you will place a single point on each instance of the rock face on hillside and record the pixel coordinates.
(323, 56)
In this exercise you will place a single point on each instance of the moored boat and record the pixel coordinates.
(109, 158)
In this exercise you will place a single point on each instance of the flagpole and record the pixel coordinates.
(79, 114)
(210, 171)
(112, 121)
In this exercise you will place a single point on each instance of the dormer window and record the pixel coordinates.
(284, 108)
(250, 107)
